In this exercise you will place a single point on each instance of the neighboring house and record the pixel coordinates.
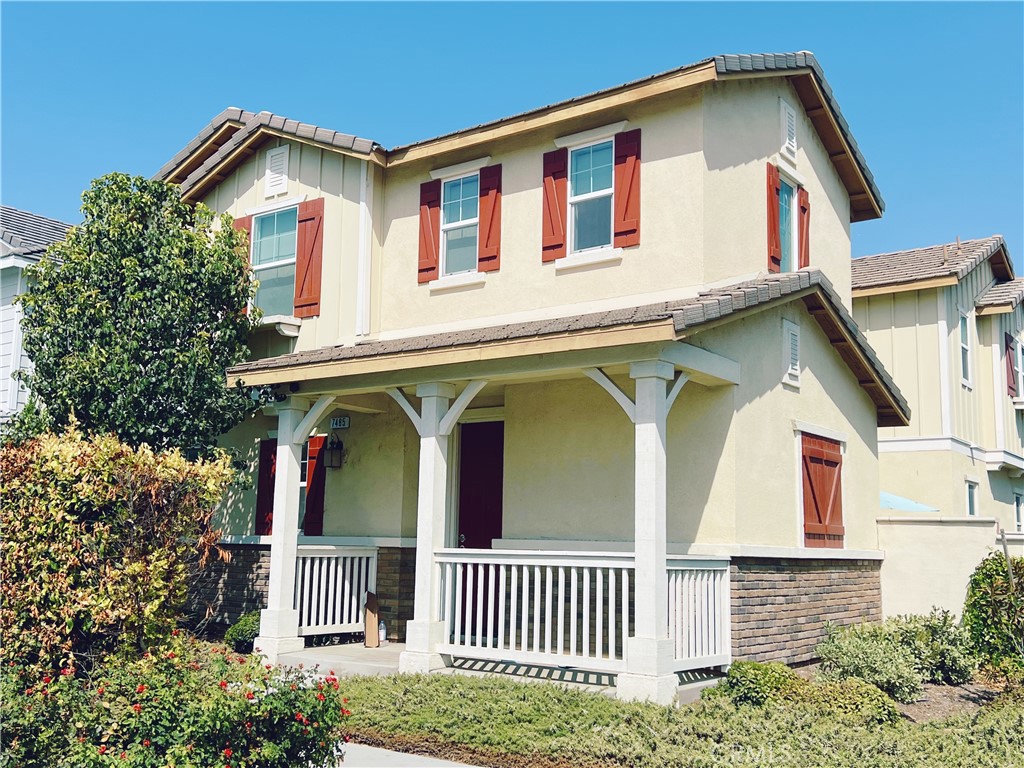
(24, 237)
(946, 320)
(578, 387)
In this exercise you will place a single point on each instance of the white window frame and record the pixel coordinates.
(1018, 511)
(794, 229)
(788, 148)
(275, 184)
(971, 497)
(442, 256)
(791, 376)
(966, 365)
(573, 199)
(273, 264)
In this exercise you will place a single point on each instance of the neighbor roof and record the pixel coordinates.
(686, 314)
(221, 139)
(29, 233)
(934, 262)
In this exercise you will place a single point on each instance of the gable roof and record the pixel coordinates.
(217, 147)
(929, 266)
(28, 234)
(1001, 297)
(682, 316)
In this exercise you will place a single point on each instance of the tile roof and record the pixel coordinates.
(1009, 294)
(29, 233)
(229, 115)
(282, 125)
(685, 314)
(949, 260)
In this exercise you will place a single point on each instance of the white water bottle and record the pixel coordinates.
(382, 633)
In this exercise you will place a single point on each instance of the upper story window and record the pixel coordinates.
(965, 350)
(286, 248)
(274, 246)
(591, 195)
(1018, 512)
(789, 223)
(460, 224)
(460, 212)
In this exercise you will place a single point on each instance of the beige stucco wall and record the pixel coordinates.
(313, 173)
(742, 132)
(703, 213)
(733, 456)
(929, 561)
(372, 494)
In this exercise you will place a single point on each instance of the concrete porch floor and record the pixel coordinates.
(352, 659)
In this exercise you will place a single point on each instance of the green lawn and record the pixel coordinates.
(502, 722)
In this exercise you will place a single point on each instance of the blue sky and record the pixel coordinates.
(934, 92)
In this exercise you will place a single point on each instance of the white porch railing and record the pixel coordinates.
(330, 587)
(699, 612)
(548, 608)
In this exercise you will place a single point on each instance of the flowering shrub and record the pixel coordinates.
(99, 540)
(186, 704)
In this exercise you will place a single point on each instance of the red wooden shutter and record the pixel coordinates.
(803, 203)
(309, 258)
(556, 197)
(316, 474)
(489, 253)
(245, 223)
(265, 487)
(774, 235)
(430, 230)
(1011, 369)
(627, 188)
(823, 497)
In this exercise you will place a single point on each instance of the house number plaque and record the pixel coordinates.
(340, 422)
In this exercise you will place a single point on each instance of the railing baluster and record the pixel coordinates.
(489, 639)
(513, 619)
(599, 613)
(547, 609)
(611, 613)
(625, 610)
(536, 608)
(561, 609)
(458, 604)
(586, 612)
(525, 608)
(501, 605)
(573, 606)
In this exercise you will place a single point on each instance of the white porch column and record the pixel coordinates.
(279, 621)
(649, 652)
(425, 631)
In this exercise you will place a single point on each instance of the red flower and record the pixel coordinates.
(298, 716)
(145, 742)
(124, 755)
(241, 660)
(320, 697)
(223, 684)
(248, 726)
(345, 700)
(227, 752)
(68, 671)
(103, 749)
(250, 695)
(175, 632)
(137, 708)
(140, 689)
(170, 654)
(28, 691)
(100, 690)
(47, 679)
(269, 666)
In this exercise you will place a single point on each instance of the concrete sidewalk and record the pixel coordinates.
(361, 756)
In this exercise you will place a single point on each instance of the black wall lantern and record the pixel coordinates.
(335, 453)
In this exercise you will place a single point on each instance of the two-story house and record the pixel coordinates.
(24, 237)
(946, 321)
(577, 387)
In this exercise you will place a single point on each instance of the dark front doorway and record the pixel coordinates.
(481, 465)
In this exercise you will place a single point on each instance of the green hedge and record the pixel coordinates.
(242, 633)
(993, 614)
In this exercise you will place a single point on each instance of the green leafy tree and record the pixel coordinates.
(131, 321)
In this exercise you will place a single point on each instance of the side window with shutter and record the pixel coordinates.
(821, 469)
(1010, 357)
(265, 473)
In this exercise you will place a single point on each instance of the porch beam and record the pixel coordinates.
(459, 406)
(609, 386)
(703, 367)
(312, 417)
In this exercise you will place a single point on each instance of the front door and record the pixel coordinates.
(481, 465)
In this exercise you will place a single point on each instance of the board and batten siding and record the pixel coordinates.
(312, 173)
(966, 401)
(12, 358)
(902, 328)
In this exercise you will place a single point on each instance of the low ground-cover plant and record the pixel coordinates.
(873, 653)
(186, 704)
(242, 633)
(993, 613)
(499, 721)
(99, 540)
(752, 682)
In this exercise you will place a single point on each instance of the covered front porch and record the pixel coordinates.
(620, 604)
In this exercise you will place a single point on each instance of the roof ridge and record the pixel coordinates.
(928, 247)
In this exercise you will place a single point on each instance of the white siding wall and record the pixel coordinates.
(12, 397)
